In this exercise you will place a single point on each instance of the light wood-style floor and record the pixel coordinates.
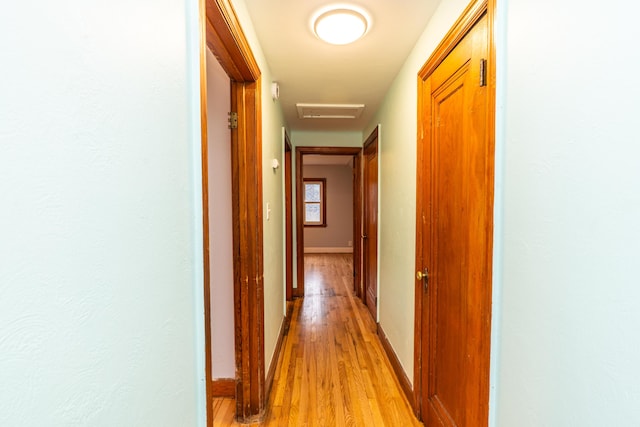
(332, 370)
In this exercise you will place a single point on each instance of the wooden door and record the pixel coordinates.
(370, 224)
(455, 192)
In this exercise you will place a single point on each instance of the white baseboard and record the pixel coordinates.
(346, 250)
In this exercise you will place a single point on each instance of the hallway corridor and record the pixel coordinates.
(332, 370)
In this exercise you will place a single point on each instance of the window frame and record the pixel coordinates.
(323, 202)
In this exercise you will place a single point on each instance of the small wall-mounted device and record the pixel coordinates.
(275, 164)
(275, 90)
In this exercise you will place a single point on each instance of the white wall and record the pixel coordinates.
(339, 208)
(220, 221)
(397, 196)
(570, 293)
(100, 259)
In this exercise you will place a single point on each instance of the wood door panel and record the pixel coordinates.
(448, 349)
(456, 231)
(447, 364)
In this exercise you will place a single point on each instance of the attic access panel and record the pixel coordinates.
(329, 111)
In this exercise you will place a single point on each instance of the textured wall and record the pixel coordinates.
(339, 198)
(97, 262)
(570, 297)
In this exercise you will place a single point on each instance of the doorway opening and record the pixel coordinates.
(330, 205)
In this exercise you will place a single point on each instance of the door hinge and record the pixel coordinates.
(483, 72)
(233, 120)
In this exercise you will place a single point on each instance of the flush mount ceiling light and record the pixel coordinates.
(341, 24)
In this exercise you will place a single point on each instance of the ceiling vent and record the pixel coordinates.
(329, 111)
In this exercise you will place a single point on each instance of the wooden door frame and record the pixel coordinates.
(220, 32)
(357, 250)
(370, 139)
(357, 225)
(472, 14)
(288, 214)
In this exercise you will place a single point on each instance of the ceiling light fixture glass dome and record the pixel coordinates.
(341, 25)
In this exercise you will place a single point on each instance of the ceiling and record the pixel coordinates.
(309, 70)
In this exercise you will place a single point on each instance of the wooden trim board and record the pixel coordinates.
(332, 250)
(284, 329)
(223, 387)
(401, 375)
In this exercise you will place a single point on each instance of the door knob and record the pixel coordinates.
(424, 276)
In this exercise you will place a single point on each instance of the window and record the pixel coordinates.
(314, 202)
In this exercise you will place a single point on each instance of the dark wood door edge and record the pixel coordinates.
(372, 137)
(288, 192)
(357, 225)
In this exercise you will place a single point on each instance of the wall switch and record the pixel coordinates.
(268, 211)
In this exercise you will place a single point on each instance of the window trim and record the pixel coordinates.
(323, 202)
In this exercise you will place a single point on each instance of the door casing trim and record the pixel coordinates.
(223, 35)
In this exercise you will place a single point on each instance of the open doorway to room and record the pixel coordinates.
(328, 207)
(327, 213)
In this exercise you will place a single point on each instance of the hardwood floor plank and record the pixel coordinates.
(333, 371)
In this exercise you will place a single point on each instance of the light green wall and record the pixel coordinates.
(570, 328)
(101, 291)
(272, 181)
(397, 150)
